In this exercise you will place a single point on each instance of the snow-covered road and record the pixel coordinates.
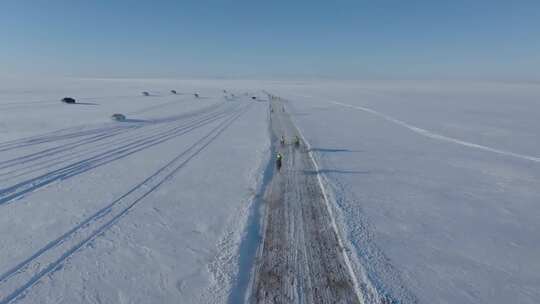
(302, 258)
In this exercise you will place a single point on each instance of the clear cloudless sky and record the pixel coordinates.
(366, 39)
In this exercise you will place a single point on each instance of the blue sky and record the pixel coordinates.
(415, 39)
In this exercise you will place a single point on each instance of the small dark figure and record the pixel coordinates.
(282, 140)
(146, 93)
(68, 100)
(296, 141)
(196, 95)
(118, 117)
(279, 159)
(173, 92)
(253, 97)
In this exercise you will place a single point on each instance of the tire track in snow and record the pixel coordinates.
(74, 132)
(301, 258)
(58, 149)
(54, 136)
(18, 280)
(147, 127)
(20, 189)
(437, 136)
(12, 105)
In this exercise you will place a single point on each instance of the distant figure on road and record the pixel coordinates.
(296, 141)
(279, 159)
(196, 95)
(282, 140)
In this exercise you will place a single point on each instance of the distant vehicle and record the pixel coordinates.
(146, 93)
(68, 100)
(253, 97)
(196, 95)
(118, 117)
(174, 92)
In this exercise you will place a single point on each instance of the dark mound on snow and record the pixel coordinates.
(68, 100)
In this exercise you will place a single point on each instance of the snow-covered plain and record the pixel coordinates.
(149, 210)
(436, 184)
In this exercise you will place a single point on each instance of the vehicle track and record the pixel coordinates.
(81, 166)
(19, 279)
(301, 258)
(145, 130)
(12, 105)
(48, 161)
(61, 148)
(56, 136)
(60, 158)
(118, 152)
(80, 131)
(154, 107)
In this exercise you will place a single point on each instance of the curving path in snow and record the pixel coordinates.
(436, 136)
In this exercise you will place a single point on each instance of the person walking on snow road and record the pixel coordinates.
(279, 159)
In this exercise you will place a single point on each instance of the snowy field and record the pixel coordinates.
(436, 184)
(147, 210)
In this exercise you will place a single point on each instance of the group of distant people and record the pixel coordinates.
(279, 156)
